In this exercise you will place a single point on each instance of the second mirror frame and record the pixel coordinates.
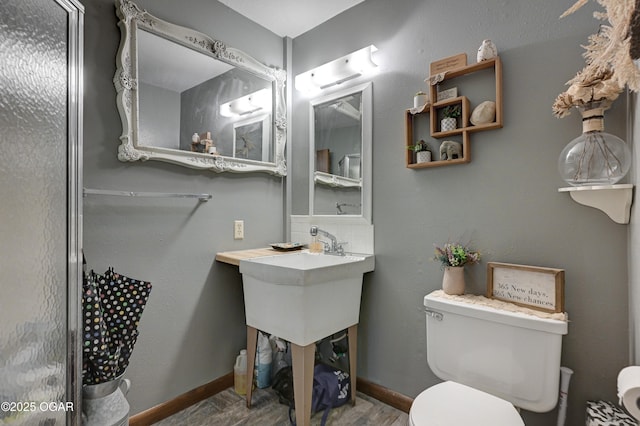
(366, 164)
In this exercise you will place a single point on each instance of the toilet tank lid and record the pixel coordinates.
(498, 311)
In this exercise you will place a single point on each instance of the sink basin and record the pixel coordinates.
(303, 297)
(305, 268)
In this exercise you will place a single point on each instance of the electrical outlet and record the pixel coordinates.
(238, 229)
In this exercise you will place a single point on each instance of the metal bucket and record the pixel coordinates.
(105, 404)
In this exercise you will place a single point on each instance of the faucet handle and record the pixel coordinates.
(340, 247)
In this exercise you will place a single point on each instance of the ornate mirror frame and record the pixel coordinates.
(125, 80)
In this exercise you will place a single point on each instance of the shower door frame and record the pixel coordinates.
(75, 11)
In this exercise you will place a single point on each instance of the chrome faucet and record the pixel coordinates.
(335, 247)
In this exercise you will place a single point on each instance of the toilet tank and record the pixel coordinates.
(512, 355)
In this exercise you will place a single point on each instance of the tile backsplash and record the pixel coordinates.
(355, 231)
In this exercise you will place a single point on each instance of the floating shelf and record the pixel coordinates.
(430, 114)
(614, 200)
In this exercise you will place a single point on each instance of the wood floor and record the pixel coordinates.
(228, 408)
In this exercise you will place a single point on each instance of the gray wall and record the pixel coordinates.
(193, 325)
(159, 116)
(634, 241)
(505, 201)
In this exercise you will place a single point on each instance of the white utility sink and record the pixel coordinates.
(303, 297)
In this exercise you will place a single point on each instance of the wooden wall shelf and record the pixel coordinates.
(462, 133)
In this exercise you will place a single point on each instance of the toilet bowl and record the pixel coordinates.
(453, 404)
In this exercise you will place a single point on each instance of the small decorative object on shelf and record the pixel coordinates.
(487, 50)
(483, 113)
(420, 99)
(422, 150)
(202, 143)
(423, 157)
(438, 68)
(443, 95)
(453, 257)
(450, 150)
(449, 118)
(595, 157)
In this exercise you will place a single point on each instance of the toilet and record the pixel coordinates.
(491, 360)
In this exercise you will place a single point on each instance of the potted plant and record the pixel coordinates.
(453, 257)
(422, 150)
(450, 114)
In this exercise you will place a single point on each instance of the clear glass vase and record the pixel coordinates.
(595, 157)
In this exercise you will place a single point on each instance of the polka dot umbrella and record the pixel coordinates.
(112, 305)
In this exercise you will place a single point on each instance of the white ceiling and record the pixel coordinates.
(189, 68)
(290, 18)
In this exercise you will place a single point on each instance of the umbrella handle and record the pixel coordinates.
(125, 385)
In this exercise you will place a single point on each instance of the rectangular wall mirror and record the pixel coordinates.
(340, 131)
(188, 99)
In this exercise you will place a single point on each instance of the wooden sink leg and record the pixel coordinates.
(352, 335)
(252, 342)
(302, 358)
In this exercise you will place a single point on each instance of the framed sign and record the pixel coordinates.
(448, 64)
(447, 94)
(530, 286)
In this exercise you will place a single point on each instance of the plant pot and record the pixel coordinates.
(423, 156)
(448, 124)
(453, 280)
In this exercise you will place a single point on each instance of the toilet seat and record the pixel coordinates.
(453, 404)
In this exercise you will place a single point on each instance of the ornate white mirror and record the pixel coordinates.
(340, 153)
(188, 99)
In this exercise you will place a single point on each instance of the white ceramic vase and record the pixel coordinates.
(486, 51)
(453, 280)
(420, 100)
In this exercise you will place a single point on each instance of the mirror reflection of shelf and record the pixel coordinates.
(336, 181)
(614, 200)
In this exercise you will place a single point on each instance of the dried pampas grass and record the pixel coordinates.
(609, 55)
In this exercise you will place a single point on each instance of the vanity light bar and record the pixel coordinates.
(337, 71)
(256, 101)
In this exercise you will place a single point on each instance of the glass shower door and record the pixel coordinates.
(40, 210)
